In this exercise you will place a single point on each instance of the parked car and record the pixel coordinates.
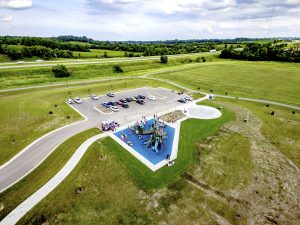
(106, 104)
(125, 105)
(94, 97)
(123, 100)
(141, 96)
(112, 103)
(133, 98)
(151, 98)
(129, 99)
(119, 103)
(180, 93)
(77, 100)
(110, 95)
(69, 101)
(182, 100)
(140, 101)
(188, 98)
(114, 108)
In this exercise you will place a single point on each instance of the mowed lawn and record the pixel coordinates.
(113, 183)
(98, 53)
(24, 115)
(15, 195)
(20, 77)
(265, 80)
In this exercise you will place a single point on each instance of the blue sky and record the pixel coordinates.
(151, 19)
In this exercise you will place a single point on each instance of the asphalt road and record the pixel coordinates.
(25, 162)
(86, 61)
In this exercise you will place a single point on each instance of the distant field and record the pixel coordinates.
(265, 80)
(98, 53)
(41, 75)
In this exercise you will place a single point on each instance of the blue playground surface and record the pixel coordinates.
(142, 149)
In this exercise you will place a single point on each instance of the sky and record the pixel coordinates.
(118, 20)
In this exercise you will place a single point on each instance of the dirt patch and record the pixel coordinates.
(172, 117)
(103, 109)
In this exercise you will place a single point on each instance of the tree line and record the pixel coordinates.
(154, 49)
(45, 42)
(18, 52)
(264, 52)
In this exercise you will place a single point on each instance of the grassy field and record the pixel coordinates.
(121, 176)
(113, 185)
(42, 75)
(282, 129)
(24, 115)
(15, 195)
(219, 159)
(98, 53)
(265, 80)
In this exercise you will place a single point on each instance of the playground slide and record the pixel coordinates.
(148, 142)
(155, 146)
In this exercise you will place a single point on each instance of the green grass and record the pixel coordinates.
(24, 115)
(109, 196)
(192, 130)
(111, 179)
(21, 77)
(98, 53)
(225, 161)
(15, 195)
(265, 80)
(282, 129)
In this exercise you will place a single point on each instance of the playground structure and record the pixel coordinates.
(156, 132)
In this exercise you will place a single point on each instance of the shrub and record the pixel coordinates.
(60, 71)
(117, 69)
(164, 59)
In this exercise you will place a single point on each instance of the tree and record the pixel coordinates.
(60, 71)
(203, 59)
(117, 69)
(105, 55)
(198, 59)
(164, 59)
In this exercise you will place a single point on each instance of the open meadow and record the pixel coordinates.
(264, 80)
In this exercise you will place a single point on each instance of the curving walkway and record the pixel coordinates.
(14, 216)
(35, 153)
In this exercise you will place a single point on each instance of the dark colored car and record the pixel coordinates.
(180, 93)
(123, 100)
(111, 103)
(140, 101)
(182, 100)
(128, 99)
(124, 105)
(141, 97)
(106, 104)
(110, 95)
(119, 103)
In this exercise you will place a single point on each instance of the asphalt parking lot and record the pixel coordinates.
(165, 99)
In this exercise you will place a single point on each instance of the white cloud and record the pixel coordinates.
(5, 18)
(15, 4)
(154, 19)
